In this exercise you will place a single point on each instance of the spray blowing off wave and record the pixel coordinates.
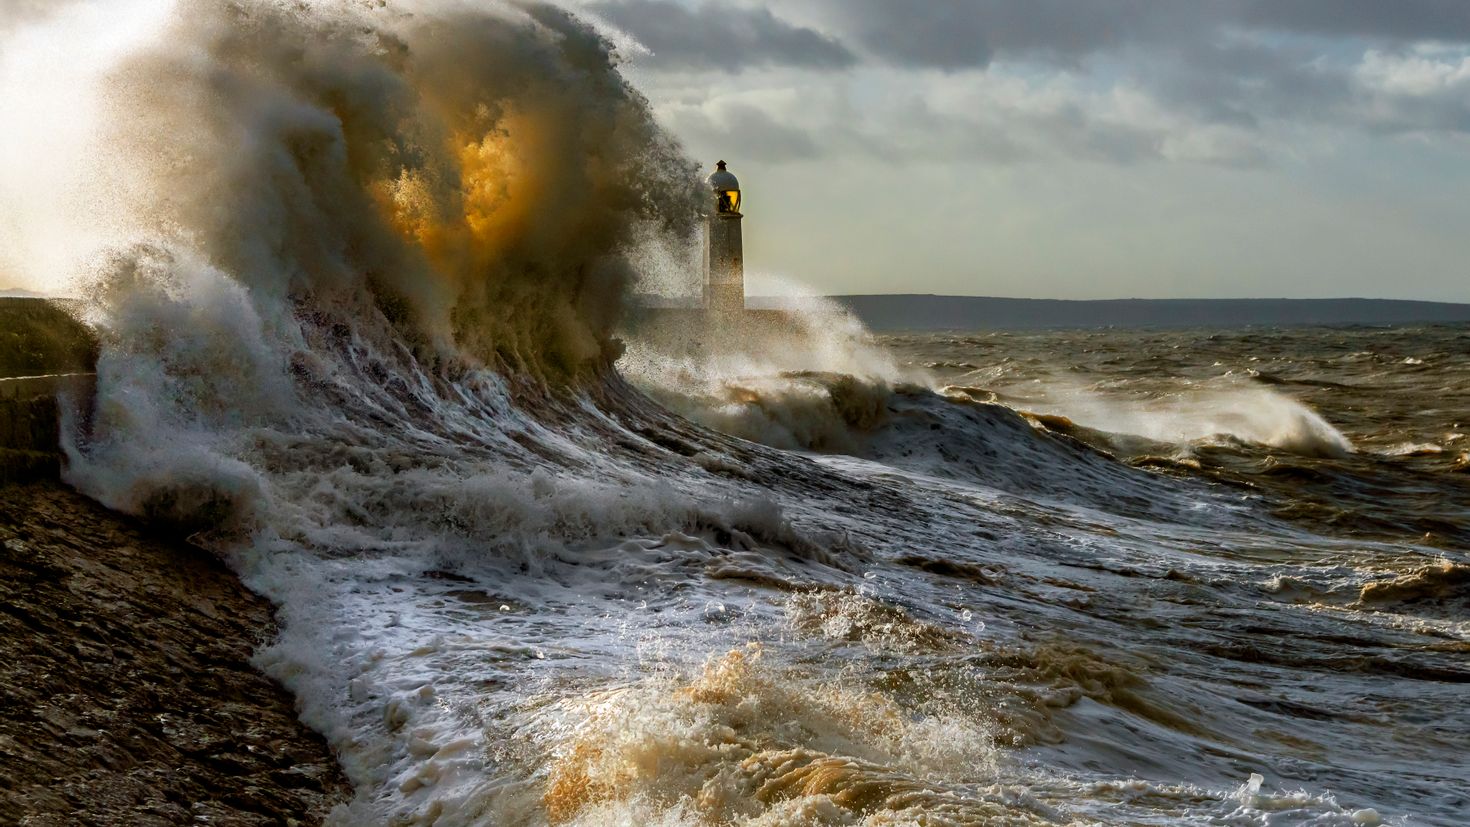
(1190, 415)
(807, 380)
(468, 177)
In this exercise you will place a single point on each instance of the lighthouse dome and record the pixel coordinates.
(726, 189)
(722, 180)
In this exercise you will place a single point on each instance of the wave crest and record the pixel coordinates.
(471, 177)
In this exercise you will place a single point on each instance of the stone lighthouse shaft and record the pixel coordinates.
(724, 261)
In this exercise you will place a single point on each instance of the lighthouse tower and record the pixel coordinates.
(724, 262)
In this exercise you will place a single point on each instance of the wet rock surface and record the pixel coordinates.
(128, 695)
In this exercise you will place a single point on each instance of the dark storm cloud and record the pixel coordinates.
(1446, 20)
(1244, 83)
(1113, 81)
(1233, 62)
(961, 34)
(956, 35)
(716, 36)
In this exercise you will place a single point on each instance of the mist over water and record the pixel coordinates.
(358, 272)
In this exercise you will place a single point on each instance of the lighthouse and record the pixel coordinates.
(724, 262)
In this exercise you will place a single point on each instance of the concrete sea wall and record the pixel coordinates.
(32, 410)
(46, 362)
(129, 695)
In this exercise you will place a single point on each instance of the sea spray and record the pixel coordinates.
(311, 201)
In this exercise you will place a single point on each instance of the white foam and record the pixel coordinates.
(1197, 413)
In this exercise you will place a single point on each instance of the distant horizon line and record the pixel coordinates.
(935, 311)
(19, 292)
(1118, 298)
(794, 296)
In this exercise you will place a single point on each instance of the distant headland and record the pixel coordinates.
(931, 312)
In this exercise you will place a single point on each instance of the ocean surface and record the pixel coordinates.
(358, 272)
(1084, 577)
(1156, 577)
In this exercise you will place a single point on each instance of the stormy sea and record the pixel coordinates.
(359, 273)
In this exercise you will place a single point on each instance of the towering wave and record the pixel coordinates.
(311, 201)
(470, 177)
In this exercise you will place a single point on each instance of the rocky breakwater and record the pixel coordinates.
(129, 696)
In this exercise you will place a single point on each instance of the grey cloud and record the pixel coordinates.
(1251, 86)
(1222, 79)
(960, 34)
(1243, 84)
(725, 37)
(1010, 137)
(758, 133)
(1230, 62)
(1447, 20)
(910, 130)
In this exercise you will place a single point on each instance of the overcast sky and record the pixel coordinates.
(1071, 149)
